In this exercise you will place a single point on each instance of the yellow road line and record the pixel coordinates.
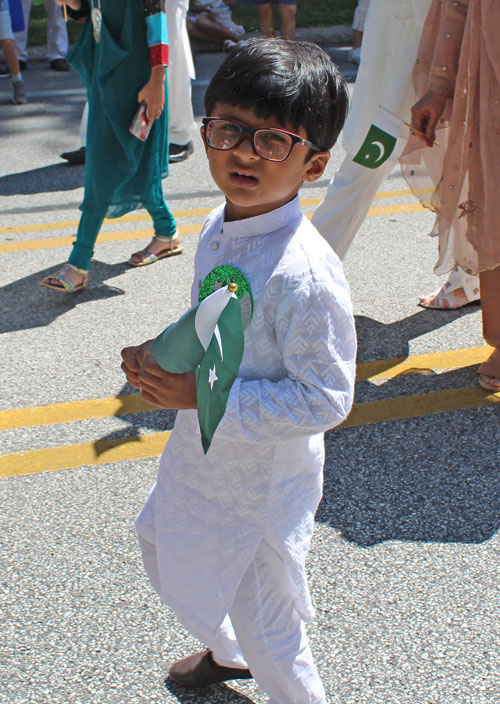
(419, 405)
(191, 212)
(124, 235)
(53, 459)
(135, 217)
(421, 363)
(72, 411)
(151, 445)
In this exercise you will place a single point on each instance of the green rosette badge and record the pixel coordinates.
(209, 341)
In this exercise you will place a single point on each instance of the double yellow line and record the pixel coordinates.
(151, 445)
(140, 233)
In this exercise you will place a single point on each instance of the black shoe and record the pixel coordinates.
(4, 72)
(179, 152)
(23, 66)
(201, 670)
(59, 65)
(76, 157)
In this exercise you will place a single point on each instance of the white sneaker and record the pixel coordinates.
(18, 94)
(354, 56)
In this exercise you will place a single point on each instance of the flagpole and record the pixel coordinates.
(407, 124)
(65, 11)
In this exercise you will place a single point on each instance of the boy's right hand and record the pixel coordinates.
(133, 358)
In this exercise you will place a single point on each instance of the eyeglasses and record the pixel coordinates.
(269, 143)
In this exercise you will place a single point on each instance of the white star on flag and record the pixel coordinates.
(212, 378)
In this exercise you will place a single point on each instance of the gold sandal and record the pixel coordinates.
(148, 257)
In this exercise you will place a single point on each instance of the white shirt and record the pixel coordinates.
(262, 476)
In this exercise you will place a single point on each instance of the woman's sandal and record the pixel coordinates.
(147, 257)
(448, 297)
(60, 282)
(488, 382)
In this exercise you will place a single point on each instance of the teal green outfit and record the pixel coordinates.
(122, 173)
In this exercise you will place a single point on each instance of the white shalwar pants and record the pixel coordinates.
(181, 122)
(263, 630)
(57, 34)
(348, 199)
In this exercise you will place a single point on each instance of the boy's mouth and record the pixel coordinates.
(242, 179)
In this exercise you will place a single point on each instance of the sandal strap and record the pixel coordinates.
(147, 257)
(68, 285)
(169, 238)
(459, 278)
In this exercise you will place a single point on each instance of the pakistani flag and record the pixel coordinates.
(379, 142)
(207, 340)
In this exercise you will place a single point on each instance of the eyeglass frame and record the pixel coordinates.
(251, 131)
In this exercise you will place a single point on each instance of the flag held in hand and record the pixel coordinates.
(209, 341)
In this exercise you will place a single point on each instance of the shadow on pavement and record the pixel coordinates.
(218, 694)
(379, 341)
(56, 177)
(432, 478)
(25, 304)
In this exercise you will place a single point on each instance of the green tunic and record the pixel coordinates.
(122, 173)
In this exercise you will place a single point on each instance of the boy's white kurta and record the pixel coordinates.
(262, 476)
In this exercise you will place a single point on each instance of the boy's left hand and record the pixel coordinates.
(166, 390)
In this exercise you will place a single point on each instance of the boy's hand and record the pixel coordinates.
(132, 361)
(161, 388)
(166, 390)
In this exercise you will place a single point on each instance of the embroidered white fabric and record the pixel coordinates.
(262, 476)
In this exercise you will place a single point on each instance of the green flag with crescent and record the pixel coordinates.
(380, 140)
(209, 341)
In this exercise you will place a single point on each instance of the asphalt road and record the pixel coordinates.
(404, 565)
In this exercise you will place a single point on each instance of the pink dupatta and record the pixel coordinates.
(459, 56)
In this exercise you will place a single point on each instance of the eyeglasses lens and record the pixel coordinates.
(269, 144)
(272, 145)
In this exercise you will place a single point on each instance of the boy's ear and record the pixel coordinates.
(315, 166)
(202, 132)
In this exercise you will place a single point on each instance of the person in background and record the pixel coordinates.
(211, 20)
(77, 156)
(358, 26)
(57, 37)
(180, 72)
(458, 77)
(8, 47)
(122, 172)
(384, 79)
(287, 10)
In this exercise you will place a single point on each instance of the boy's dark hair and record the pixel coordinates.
(294, 81)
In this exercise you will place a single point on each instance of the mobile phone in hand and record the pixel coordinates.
(140, 127)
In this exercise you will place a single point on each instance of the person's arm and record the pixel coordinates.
(315, 331)
(444, 68)
(153, 93)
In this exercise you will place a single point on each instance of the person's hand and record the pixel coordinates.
(74, 4)
(132, 361)
(153, 94)
(425, 115)
(166, 390)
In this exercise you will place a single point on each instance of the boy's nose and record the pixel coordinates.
(245, 148)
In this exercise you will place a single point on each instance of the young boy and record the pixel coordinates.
(224, 536)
